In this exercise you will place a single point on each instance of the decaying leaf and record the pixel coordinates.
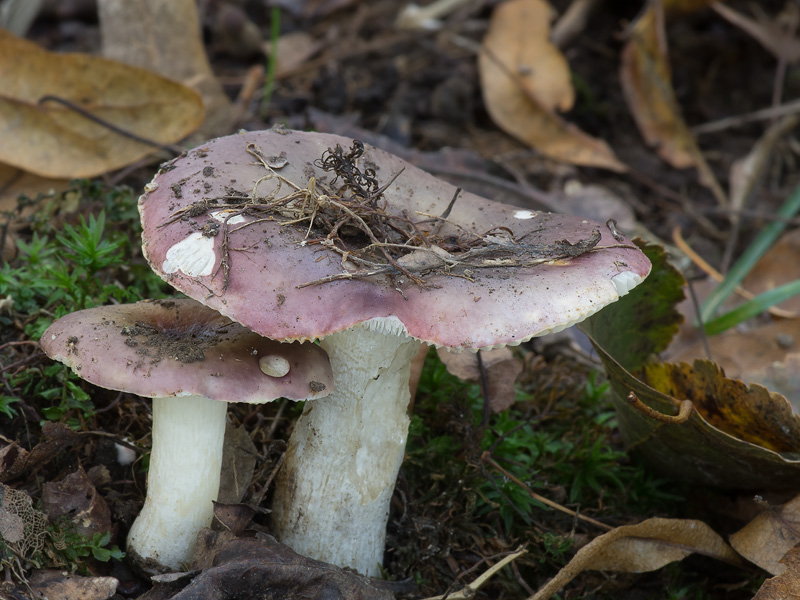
(768, 353)
(647, 84)
(239, 456)
(75, 497)
(524, 78)
(23, 527)
(647, 546)
(52, 140)
(15, 182)
(766, 539)
(230, 568)
(500, 366)
(749, 170)
(58, 584)
(56, 437)
(787, 585)
(779, 265)
(781, 41)
(707, 447)
(164, 36)
(749, 413)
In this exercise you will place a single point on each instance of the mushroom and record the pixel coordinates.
(192, 361)
(303, 236)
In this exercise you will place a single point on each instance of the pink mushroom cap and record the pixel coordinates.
(179, 347)
(269, 263)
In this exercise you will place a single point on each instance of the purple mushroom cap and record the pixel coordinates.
(166, 348)
(269, 264)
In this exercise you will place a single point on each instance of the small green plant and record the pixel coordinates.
(59, 269)
(79, 547)
(571, 450)
(557, 546)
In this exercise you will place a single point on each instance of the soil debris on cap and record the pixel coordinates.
(347, 215)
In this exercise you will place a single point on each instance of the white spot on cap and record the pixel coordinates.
(274, 365)
(150, 187)
(193, 256)
(220, 216)
(624, 282)
(524, 214)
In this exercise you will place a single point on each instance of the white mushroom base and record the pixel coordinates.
(182, 483)
(333, 492)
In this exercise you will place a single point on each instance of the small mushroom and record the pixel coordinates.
(192, 361)
(468, 273)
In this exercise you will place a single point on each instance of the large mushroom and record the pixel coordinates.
(303, 236)
(192, 361)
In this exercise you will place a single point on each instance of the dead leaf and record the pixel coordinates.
(646, 80)
(779, 265)
(500, 365)
(52, 140)
(773, 35)
(76, 498)
(695, 451)
(234, 517)
(294, 49)
(55, 438)
(163, 36)
(311, 9)
(766, 354)
(239, 456)
(230, 568)
(15, 182)
(644, 547)
(749, 413)
(58, 584)
(748, 171)
(524, 78)
(234, 32)
(23, 527)
(766, 539)
(785, 586)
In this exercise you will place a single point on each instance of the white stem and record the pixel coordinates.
(333, 492)
(182, 483)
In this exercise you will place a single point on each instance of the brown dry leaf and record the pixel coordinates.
(16, 461)
(294, 49)
(164, 36)
(15, 182)
(524, 78)
(52, 140)
(766, 539)
(646, 80)
(57, 584)
(260, 567)
(767, 354)
(779, 265)
(695, 450)
(647, 546)
(749, 170)
(312, 9)
(500, 365)
(785, 586)
(749, 413)
(239, 456)
(759, 355)
(76, 497)
(777, 35)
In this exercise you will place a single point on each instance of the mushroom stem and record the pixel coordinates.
(182, 482)
(333, 492)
